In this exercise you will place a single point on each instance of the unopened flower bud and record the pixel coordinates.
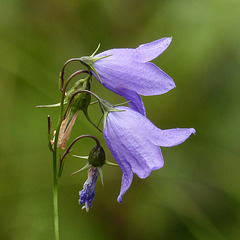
(82, 99)
(97, 157)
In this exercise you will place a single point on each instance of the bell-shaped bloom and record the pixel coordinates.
(128, 72)
(134, 143)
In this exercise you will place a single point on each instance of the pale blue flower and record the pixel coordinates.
(128, 72)
(134, 143)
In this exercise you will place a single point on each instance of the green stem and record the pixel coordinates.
(55, 196)
(55, 174)
(63, 88)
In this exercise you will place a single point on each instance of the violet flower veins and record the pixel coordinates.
(134, 143)
(128, 72)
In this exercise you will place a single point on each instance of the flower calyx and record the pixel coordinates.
(79, 100)
(88, 61)
(96, 158)
(106, 108)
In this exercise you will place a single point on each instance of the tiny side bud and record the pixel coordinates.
(97, 157)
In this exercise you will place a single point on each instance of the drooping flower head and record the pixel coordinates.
(134, 143)
(128, 72)
(96, 160)
(87, 194)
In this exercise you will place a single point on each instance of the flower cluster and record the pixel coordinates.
(132, 138)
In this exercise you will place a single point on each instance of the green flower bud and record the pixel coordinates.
(81, 100)
(97, 157)
(78, 100)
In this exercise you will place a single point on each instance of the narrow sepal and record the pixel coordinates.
(101, 174)
(111, 164)
(49, 106)
(82, 169)
(82, 157)
(96, 50)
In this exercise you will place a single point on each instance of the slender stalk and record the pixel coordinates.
(55, 173)
(63, 70)
(63, 88)
(55, 197)
(72, 76)
(55, 179)
(69, 148)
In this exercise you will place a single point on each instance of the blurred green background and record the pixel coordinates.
(196, 195)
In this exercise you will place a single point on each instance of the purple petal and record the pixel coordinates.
(164, 138)
(87, 194)
(130, 147)
(171, 137)
(126, 183)
(133, 145)
(135, 103)
(143, 53)
(144, 78)
(110, 138)
(123, 54)
(149, 51)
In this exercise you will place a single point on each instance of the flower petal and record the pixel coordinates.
(135, 103)
(128, 126)
(143, 53)
(149, 51)
(126, 183)
(116, 150)
(87, 194)
(144, 78)
(159, 137)
(130, 147)
(171, 137)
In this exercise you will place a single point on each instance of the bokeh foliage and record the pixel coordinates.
(196, 195)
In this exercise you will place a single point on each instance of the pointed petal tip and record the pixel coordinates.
(173, 84)
(119, 199)
(168, 39)
(192, 130)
